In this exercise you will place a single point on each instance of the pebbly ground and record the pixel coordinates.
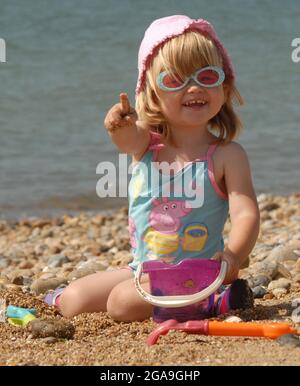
(38, 254)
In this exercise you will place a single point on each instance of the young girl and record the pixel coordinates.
(184, 116)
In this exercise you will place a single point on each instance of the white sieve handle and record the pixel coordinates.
(179, 300)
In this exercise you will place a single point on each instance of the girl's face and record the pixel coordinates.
(191, 107)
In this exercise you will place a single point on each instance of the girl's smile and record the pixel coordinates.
(195, 104)
(191, 107)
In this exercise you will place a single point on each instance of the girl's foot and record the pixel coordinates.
(238, 296)
(52, 298)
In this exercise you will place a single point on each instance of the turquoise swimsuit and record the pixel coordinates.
(175, 217)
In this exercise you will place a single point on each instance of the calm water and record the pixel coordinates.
(68, 61)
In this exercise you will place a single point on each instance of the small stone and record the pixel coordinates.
(113, 250)
(291, 340)
(13, 287)
(268, 296)
(50, 340)
(233, 319)
(18, 280)
(278, 292)
(26, 265)
(258, 292)
(283, 271)
(122, 258)
(3, 263)
(44, 275)
(269, 206)
(41, 286)
(282, 253)
(296, 278)
(265, 268)
(259, 280)
(280, 283)
(47, 233)
(263, 197)
(78, 273)
(42, 328)
(57, 261)
(4, 280)
(94, 265)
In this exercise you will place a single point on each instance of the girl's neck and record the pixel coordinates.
(191, 139)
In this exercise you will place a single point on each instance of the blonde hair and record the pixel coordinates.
(180, 56)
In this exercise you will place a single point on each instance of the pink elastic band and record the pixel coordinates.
(211, 174)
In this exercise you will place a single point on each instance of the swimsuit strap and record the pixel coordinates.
(155, 144)
(211, 173)
(211, 151)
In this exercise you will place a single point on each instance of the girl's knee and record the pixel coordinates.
(70, 302)
(117, 305)
(124, 305)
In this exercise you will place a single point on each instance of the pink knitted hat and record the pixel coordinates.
(166, 28)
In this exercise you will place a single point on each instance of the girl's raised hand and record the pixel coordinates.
(121, 115)
(125, 104)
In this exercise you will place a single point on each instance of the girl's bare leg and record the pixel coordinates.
(90, 293)
(124, 304)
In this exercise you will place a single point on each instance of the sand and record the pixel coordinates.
(98, 340)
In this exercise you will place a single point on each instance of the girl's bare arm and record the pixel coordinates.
(243, 209)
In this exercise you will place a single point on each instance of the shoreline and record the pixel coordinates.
(38, 254)
(90, 204)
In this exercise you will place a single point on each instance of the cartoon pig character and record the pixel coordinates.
(166, 213)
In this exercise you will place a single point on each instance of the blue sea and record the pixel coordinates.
(68, 60)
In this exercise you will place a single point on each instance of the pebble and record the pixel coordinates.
(233, 319)
(50, 340)
(93, 264)
(268, 296)
(57, 261)
(3, 263)
(43, 328)
(291, 340)
(285, 271)
(296, 278)
(279, 292)
(26, 264)
(13, 287)
(41, 286)
(259, 292)
(259, 281)
(282, 253)
(18, 280)
(78, 273)
(280, 283)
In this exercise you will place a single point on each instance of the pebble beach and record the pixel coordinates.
(40, 254)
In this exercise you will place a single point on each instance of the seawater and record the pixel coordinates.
(67, 62)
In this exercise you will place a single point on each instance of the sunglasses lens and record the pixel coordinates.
(208, 77)
(171, 81)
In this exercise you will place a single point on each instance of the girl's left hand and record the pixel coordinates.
(233, 265)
